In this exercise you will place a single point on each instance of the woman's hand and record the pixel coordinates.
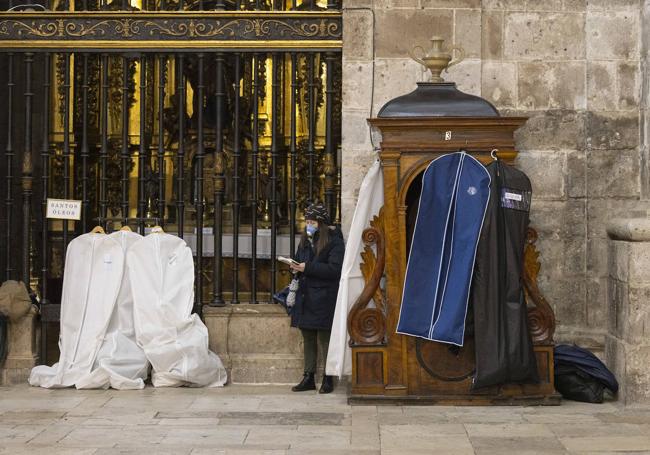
(298, 267)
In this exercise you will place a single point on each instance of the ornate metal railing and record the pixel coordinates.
(218, 121)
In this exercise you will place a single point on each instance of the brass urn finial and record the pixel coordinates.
(437, 61)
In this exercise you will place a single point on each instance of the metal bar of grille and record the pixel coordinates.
(66, 143)
(45, 180)
(142, 153)
(9, 154)
(217, 282)
(180, 163)
(311, 101)
(330, 160)
(84, 144)
(162, 72)
(275, 114)
(124, 151)
(236, 201)
(27, 169)
(103, 152)
(292, 155)
(198, 194)
(254, 191)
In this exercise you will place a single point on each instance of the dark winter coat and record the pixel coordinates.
(319, 283)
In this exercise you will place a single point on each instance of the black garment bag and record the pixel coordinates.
(504, 349)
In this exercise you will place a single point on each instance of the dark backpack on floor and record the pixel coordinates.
(581, 376)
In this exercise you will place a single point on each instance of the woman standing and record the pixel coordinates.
(320, 257)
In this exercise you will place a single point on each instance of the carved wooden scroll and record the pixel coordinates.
(541, 319)
(367, 324)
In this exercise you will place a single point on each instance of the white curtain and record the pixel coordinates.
(371, 199)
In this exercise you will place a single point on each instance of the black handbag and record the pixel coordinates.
(287, 296)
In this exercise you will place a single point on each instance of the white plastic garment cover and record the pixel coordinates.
(175, 341)
(371, 199)
(120, 362)
(93, 273)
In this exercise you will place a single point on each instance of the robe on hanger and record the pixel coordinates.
(504, 350)
(120, 362)
(161, 270)
(93, 274)
(455, 192)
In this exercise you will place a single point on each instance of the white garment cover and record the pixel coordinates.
(120, 362)
(93, 274)
(175, 341)
(371, 199)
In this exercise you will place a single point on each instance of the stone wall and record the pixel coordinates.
(627, 350)
(574, 68)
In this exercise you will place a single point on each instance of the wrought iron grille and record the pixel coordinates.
(218, 120)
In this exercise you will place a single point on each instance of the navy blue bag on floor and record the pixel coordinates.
(580, 375)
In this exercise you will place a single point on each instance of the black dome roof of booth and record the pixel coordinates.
(438, 100)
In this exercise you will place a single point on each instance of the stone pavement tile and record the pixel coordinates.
(191, 422)
(299, 402)
(144, 450)
(220, 403)
(301, 437)
(484, 444)
(301, 451)
(133, 417)
(607, 443)
(186, 414)
(46, 450)
(573, 407)
(19, 434)
(599, 429)
(16, 417)
(109, 436)
(485, 415)
(443, 438)
(217, 437)
(89, 405)
(159, 403)
(280, 418)
(52, 434)
(508, 430)
(625, 416)
(561, 418)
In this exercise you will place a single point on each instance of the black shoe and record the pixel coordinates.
(307, 383)
(327, 386)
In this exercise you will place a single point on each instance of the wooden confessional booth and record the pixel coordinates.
(415, 128)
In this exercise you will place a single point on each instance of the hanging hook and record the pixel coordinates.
(493, 154)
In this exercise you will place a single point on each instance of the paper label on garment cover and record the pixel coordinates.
(63, 209)
(515, 199)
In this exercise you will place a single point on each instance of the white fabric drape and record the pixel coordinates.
(175, 341)
(370, 201)
(94, 265)
(120, 362)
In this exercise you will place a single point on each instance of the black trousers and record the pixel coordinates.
(312, 338)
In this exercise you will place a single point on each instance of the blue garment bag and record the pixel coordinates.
(454, 197)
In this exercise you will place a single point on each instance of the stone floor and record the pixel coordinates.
(272, 420)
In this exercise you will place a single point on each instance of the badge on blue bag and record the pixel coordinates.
(515, 199)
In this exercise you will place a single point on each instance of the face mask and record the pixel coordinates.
(311, 230)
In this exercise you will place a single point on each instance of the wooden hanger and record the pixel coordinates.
(98, 230)
(157, 230)
(126, 228)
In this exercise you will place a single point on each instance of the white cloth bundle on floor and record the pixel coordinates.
(120, 362)
(370, 201)
(94, 267)
(175, 341)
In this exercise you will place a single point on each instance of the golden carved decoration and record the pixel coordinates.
(187, 28)
(367, 325)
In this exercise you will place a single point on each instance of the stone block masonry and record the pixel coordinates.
(577, 68)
